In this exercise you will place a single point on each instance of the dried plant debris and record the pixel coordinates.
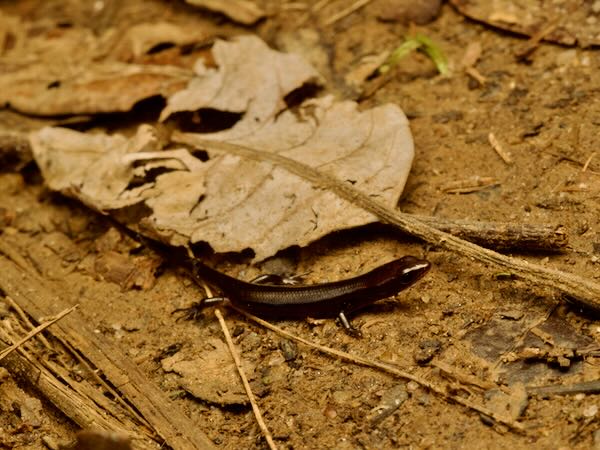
(61, 71)
(210, 376)
(510, 344)
(567, 22)
(231, 203)
(512, 403)
(242, 11)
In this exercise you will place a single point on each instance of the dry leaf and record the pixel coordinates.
(57, 72)
(242, 11)
(231, 203)
(98, 88)
(211, 376)
(141, 38)
(251, 78)
(127, 271)
(236, 204)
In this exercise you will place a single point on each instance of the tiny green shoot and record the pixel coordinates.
(416, 42)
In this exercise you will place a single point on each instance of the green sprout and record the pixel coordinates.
(416, 42)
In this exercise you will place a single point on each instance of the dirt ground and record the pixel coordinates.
(463, 327)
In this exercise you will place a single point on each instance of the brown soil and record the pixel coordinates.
(468, 316)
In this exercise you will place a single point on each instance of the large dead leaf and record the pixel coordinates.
(65, 71)
(232, 203)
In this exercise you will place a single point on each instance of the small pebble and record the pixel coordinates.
(427, 350)
(566, 57)
(330, 412)
(288, 349)
(590, 411)
(31, 412)
(412, 386)
(4, 375)
(50, 442)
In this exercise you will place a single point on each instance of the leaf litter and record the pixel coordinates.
(230, 203)
(145, 159)
(73, 71)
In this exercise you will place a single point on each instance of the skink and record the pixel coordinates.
(337, 298)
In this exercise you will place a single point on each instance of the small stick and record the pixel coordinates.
(588, 161)
(534, 41)
(387, 368)
(474, 73)
(238, 364)
(7, 351)
(499, 149)
(469, 185)
(470, 58)
(319, 5)
(346, 12)
(502, 235)
(585, 387)
(25, 319)
(563, 157)
(464, 378)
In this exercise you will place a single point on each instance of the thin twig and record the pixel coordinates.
(387, 368)
(319, 5)
(14, 305)
(463, 377)
(7, 351)
(240, 370)
(582, 291)
(346, 12)
(534, 41)
(587, 162)
(495, 143)
(585, 387)
(476, 75)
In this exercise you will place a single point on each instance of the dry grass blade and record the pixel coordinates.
(36, 330)
(238, 365)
